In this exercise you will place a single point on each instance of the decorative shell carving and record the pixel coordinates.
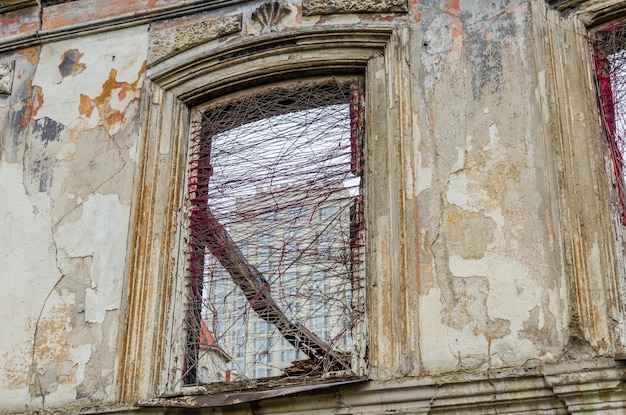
(270, 13)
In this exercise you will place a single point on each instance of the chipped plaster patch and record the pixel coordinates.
(468, 234)
(70, 63)
(508, 352)
(28, 278)
(94, 311)
(456, 194)
(101, 55)
(424, 179)
(505, 275)
(58, 364)
(6, 77)
(109, 108)
(446, 349)
(98, 232)
(467, 307)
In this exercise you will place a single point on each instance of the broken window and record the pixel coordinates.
(610, 69)
(276, 234)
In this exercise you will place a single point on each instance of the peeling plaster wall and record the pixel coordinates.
(492, 294)
(485, 262)
(67, 166)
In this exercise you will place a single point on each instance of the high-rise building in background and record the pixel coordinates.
(301, 245)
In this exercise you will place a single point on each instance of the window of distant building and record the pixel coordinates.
(277, 171)
(610, 69)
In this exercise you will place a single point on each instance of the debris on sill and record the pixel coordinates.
(232, 393)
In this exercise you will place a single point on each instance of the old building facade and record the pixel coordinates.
(493, 272)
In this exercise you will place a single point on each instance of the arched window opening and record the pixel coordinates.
(276, 234)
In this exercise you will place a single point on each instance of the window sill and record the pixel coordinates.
(262, 389)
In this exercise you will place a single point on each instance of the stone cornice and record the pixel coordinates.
(592, 389)
(9, 5)
(592, 12)
(33, 38)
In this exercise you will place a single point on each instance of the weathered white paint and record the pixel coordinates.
(490, 242)
(28, 272)
(97, 234)
(100, 56)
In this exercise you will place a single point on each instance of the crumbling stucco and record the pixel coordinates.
(492, 256)
(67, 177)
(6, 77)
(169, 41)
(313, 7)
(491, 237)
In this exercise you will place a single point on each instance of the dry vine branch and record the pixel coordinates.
(257, 291)
(295, 140)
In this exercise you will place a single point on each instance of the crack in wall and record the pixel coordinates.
(92, 192)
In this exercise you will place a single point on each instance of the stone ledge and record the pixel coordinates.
(592, 12)
(46, 3)
(9, 5)
(589, 390)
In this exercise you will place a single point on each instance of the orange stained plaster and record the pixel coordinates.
(110, 115)
(453, 7)
(456, 28)
(69, 378)
(321, 21)
(298, 12)
(19, 21)
(377, 17)
(50, 341)
(108, 87)
(9, 19)
(28, 27)
(414, 7)
(32, 105)
(86, 106)
(16, 365)
(31, 54)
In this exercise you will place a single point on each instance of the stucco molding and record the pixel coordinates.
(592, 12)
(269, 14)
(326, 7)
(10, 5)
(589, 262)
(6, 77)
(171, 41)
(200, 75)
(178, 84)
(596, 391)
(584, 387)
